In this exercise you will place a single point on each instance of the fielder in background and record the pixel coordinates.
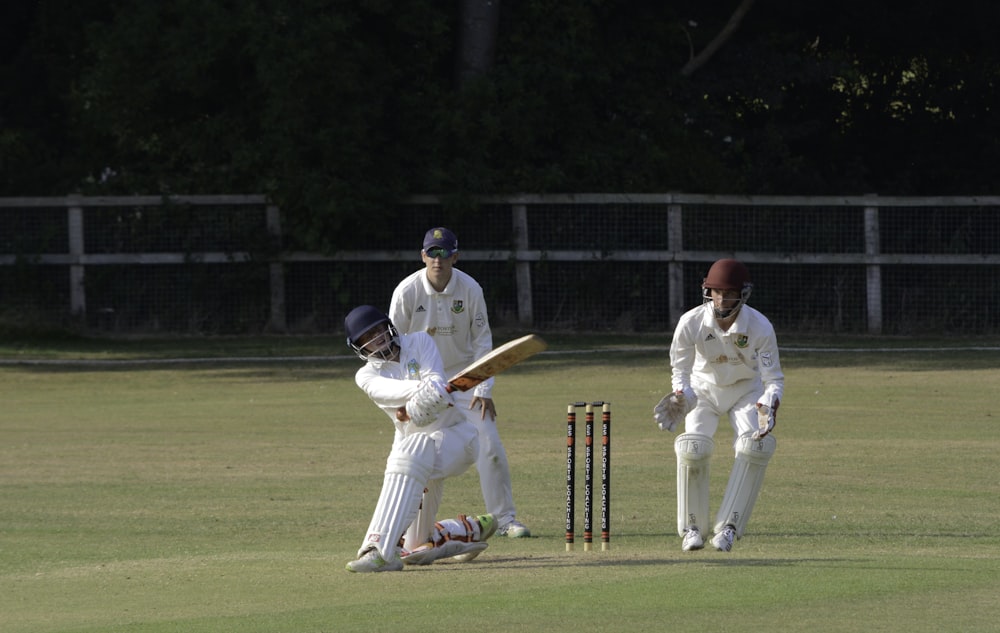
(724, 361)
(435, 443)
(448, 304)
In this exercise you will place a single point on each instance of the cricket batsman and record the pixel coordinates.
(434, 443)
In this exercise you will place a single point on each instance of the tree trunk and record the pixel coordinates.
(717, 42)
(477, 38)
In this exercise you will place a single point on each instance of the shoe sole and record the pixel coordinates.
(517, 533)
(692, 545)
(388, 566)
(724, 546)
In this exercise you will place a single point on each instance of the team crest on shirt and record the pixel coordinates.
(742, 341)
(458, 306)
(413, 369)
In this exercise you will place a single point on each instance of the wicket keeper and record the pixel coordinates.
(724, 362)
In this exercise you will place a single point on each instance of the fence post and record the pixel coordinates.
(675, 269)
(873, 270)
(276, 272)
(77, 289)
(522, 268)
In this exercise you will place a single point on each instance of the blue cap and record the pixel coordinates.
(440, 237)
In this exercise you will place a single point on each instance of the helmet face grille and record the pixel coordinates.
(380, 346)
(727, 274)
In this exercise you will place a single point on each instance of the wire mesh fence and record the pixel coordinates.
(586, 262)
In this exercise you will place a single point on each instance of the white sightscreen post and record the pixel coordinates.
(522, 268)
(77, 291)
(276, 272)
(873, 271)
(675, 269)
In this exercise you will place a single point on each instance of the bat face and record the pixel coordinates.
(501, 358)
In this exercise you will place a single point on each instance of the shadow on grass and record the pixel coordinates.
(607, 559)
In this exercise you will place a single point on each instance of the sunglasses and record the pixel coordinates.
(437, 252)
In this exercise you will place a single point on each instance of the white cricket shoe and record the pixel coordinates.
(723, 541)
(514, 529)
(372, 561)
(692, 540)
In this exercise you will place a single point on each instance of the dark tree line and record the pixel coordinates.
(337, 108)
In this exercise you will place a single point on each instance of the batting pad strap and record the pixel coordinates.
(757, 451)
(693, 447)
(463, 528)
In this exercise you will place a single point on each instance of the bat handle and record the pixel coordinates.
(401, 414)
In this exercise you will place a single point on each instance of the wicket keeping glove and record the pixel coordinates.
(765, 419)
(672, 409)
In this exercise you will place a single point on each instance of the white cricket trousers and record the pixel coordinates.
(494, 470)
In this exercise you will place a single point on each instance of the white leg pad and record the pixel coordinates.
(463, 528)
(406, 472)
(420, 530)
(462, 537)
(693, 453)
(745, 481)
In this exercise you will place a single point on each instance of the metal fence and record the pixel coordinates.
(628, 263)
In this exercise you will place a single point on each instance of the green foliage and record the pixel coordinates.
(338, 109)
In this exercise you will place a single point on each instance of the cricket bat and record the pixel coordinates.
(498, 360)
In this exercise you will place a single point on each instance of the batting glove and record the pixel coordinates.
(431, 398)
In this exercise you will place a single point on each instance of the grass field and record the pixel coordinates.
(219, 495)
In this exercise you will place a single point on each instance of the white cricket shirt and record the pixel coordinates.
(456, 318)
(700, 348)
